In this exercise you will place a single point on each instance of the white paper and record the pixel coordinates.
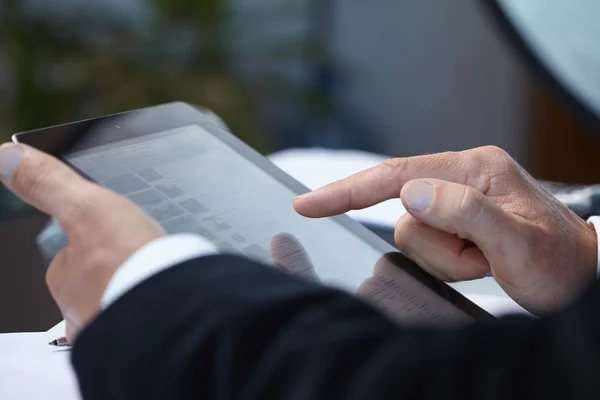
(57, 331)
(497, 305)
(31, 369)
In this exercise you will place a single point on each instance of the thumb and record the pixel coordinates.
(460, 210)
(42, 180)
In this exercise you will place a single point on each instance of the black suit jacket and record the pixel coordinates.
(223, 327)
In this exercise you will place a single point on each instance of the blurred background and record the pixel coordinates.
(396, 77)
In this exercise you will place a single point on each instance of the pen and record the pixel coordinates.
(60, 342)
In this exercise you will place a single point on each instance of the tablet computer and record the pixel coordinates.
(184, 168)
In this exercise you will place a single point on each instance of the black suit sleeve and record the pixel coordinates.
(224, 327)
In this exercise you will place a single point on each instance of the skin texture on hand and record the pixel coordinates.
(103, 228)
(473, 213)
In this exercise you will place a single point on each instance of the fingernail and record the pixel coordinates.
(418, 195)
(10, 157)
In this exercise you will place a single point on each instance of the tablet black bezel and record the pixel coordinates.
(63, 140)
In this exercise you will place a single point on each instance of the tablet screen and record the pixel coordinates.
(184, 168)
(191, 181)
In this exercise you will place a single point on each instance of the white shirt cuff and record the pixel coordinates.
(596, 222)
(153, 258)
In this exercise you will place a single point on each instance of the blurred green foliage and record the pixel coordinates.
(61, 67)
(63, 63)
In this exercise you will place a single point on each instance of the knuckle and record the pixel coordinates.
(488, 163)
(404, 231)
(393, 163)
(31, 176)
(495, 151)
(50, 274)
(495, 155)
(469, 205)
(400, 237)
(450, 270)
(450, 277)
(407, 235)
(460, 271)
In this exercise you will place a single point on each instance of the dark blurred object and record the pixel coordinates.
(67, 60)
(559, 41)
(330, 122)
(563, 148)
(584, 200)
(25, 303)
(10, 206)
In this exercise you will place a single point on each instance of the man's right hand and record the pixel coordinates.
(471, 213)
